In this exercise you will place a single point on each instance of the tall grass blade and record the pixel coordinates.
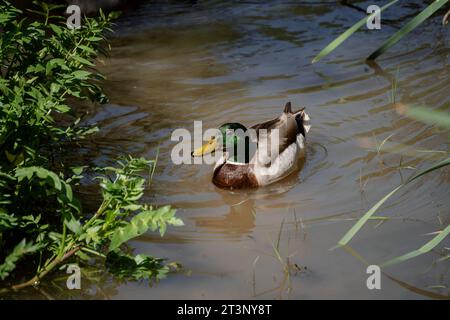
(424, 249)
(438, 165)
(411, 25)
(339, 40)
(358, 225)
(439, 118)
(279, 234)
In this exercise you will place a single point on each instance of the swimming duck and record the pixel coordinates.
(273, 150)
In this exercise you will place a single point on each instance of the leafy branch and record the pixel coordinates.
(43, 224)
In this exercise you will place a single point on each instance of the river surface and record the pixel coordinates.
(226, 61)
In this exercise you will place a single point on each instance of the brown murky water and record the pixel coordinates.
(219, 62)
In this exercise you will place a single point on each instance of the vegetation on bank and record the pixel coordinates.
(44, 226)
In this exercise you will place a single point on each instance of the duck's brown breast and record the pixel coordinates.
(235, 176)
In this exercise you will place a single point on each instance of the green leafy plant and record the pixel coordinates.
(43, 224)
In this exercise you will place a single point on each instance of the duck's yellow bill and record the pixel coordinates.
(208, 147)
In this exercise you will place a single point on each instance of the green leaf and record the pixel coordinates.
(73, 225)
(411, 25)
(35, 68)
(424, 249)
(56, 29)
(57, 62)
(52, 177)
(78, 170)
(54, 88)
(92, 235)
(23, 173)
(62, 108)
(83, 61)
(83, 256)
(94, 39)
(7, 221)
(358, 225)
(41, 173)
(81, 74)
(87, 49)
(339, 40)
(18, 252)
(68, 191)
(142, 222)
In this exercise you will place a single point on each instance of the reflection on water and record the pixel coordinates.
(217, 61)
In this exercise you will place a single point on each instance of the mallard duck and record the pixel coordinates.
(279, 145)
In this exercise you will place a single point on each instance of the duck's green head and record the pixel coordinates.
(232, 136)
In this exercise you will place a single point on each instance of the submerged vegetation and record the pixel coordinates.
(43, 224)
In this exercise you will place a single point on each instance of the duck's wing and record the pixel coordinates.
(278, 134)
(268, 125)
(281, 132)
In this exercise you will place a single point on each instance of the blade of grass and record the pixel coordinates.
(383, 142)
(405, 285)
(152, 171)
(429, 116)
(444, 258)
(407, 28)
(424, 249)
(416, 290)
(339, 40)
(279, 234)
(358, 225)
